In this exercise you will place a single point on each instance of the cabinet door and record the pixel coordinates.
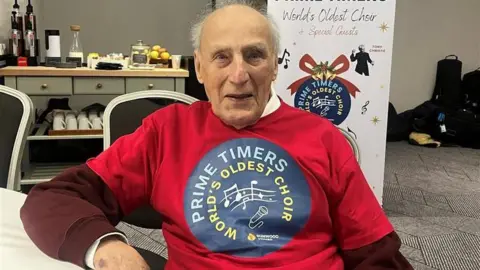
(141, 84)
(45, 86)
(98, 86)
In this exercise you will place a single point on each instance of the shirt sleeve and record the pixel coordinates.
(358, 219)
(90, 255)
(128, 166)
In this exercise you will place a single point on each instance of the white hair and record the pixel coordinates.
(197, 28)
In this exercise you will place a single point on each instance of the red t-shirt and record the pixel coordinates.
(286, 193)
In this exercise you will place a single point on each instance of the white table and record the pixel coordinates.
(17, 251)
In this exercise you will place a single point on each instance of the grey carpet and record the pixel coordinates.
(432, 197)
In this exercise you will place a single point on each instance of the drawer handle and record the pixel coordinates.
(150, 86)
(99, 85)
(44, 86)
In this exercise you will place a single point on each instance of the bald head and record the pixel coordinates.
(236, 60)
(236, 20)
(236, 12)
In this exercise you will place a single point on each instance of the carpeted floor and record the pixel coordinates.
(432, 197)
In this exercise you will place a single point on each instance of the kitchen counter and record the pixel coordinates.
(87, 72)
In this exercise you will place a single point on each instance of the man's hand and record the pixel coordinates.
(114, 254)
(353, 51)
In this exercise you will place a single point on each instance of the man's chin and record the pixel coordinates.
(240, 118)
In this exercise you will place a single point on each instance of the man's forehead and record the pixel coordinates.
(236, 13)
(235, 22)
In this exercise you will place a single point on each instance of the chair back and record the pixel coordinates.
(16, 119)
(353, 143)
(122, 116)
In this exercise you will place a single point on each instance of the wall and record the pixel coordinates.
(113, 25)
(425, 32)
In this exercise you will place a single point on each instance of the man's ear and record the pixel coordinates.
(197, 59)
(275, 67)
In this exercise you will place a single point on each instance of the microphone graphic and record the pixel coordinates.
(262, 211)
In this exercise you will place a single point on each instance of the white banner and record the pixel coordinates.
(335, 60)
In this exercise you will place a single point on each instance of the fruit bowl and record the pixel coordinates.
(160, 57)
(161, 63)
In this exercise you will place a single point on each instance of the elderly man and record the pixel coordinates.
(362, 58)
(238, 186)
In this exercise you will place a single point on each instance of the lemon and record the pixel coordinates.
(165, 55)
(154, 54)
(156, 48)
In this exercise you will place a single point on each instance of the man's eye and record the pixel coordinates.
(221, 57)
(255, 56)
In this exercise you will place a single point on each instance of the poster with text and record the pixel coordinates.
(335, 60)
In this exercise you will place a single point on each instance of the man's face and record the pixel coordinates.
(237, 64)
(362, 48)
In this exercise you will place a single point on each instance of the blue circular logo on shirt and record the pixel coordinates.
(327, 98)
(247, 197)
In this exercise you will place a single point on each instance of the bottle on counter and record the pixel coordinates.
(16, 40)
(30, 32)
(76, 50)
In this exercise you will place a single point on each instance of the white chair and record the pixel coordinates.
(16, 120)
(353, 143)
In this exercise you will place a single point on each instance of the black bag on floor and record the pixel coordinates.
(471, 91)
(449, 126)
(397, 126)
(448, 82)
(458, 127)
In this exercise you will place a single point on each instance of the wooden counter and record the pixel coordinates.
(86, 72)
(50, 81)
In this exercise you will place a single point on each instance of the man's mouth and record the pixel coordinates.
(239, 96)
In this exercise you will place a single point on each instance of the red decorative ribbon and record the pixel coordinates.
(341, 60)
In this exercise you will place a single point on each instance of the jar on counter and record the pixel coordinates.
(140, 53)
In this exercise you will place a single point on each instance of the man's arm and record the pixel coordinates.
(369, 59)
(353, 56)
(383, 254)
(366, 238)
(65, 216)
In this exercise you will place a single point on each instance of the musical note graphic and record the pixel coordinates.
(364, 107)
(234, 197)
(353, 133)
(261, 212)
(324, 102)
(284, 59)
(227, 195)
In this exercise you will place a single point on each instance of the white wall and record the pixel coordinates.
(425, 32)
(113, 25)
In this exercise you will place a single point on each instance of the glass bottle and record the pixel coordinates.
(76, 50)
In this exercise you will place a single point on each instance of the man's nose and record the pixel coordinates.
(238, 72)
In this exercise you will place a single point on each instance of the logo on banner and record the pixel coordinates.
(323, 91)
(247, 198)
